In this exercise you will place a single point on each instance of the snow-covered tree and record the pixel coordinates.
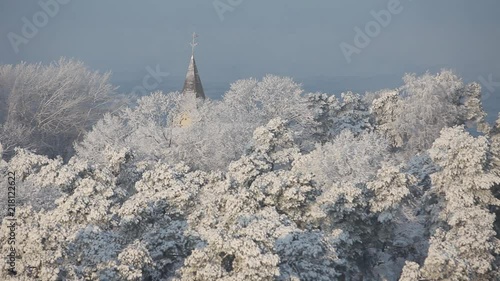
(47, 107)
(332, 116)
(463, 246)
(389, 189)
(347, 158)
(218, 131)
(495, 146)
(495, 155)
(225, 128)
(413, 115)
(109, 222)
(386, 108)
(367, 216)
(255, 223)
(410, 272)
(147, 129)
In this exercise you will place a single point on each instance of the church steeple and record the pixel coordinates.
(192, 85)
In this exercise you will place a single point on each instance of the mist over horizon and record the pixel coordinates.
(254, 38)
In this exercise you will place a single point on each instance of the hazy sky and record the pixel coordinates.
(287, 37)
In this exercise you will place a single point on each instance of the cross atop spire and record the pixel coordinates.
(194, 43)
(192, 84)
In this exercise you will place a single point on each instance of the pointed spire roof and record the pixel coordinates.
(192, 85)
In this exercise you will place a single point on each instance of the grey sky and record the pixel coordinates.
(287, 37)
